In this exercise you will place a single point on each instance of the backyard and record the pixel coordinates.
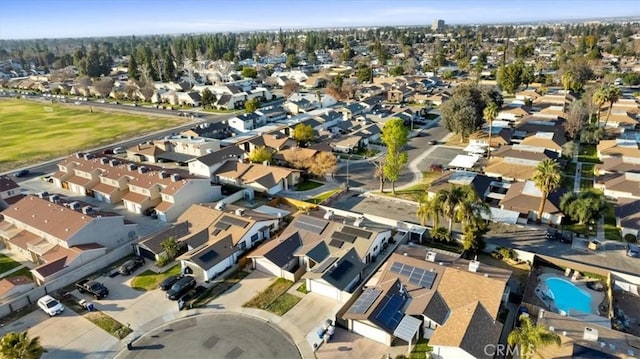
(56, 130)
(588, 153)
(7, 264)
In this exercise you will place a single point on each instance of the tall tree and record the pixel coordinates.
(599, 99)
(490, 113)
(207, 98)
(104, 86)
(510, 76)
(132, 69)
(251, 105)
(290, 87)
(567, 81)
(530, 337)
(450, 198)
(147, 91)
(395, 136)
(303, 133)
(20, 346)
(612, 96)
(463, 112)
(323, 163)
(249, 72)
(585, 206)
(429, 209)
(576, 118)
(260, 154)
(547, 178)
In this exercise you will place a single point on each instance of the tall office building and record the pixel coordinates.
(437, 25)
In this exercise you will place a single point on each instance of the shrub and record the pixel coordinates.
(630, 238)
(507, 253)
(162, 261)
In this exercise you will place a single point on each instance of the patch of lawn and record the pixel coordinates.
(108, 324)
(6, 263)
(587, 170)
(149, 280)
(421, 349)
(588, 153)
(611, 230)
(322, 196)
(303, 288)
(567, 182)
(283, 304)
(25, 271)
(54, 130)
(570, 169)
(308, 185)
(265, 298)
(217, 290)
(580, 229)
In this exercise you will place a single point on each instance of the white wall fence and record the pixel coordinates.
(64, 280)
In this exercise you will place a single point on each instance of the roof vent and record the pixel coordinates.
(114, 163)
(54, 198)
(104, 160)
(74, 205)
(163, 174)
(43, 195)
(474, 266)
(132, 166)
(358, 221)
(143, 169)
(175, 177)
(590, 334)
(239, 212)
(328, 215)
(431, 256)
(87, 210)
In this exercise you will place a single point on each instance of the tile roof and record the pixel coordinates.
(628, 211)
(223, 154)
(213, 253)
(628, 183)
(470, 328)
(135, 197)
(517, 200)
(51, 218)
(154, 242)
(7, 183)
(8, 283)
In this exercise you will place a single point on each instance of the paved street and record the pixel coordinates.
(215, 336)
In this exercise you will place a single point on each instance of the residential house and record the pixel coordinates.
(479, 182)
(530, 125)
(246, 122)
(294, 156)
(302, 105)
(553, 141)
(274, 141)
(261, 178)
(348, 144)
(60, 235)
(272, 113)
(177, 149)
(331, 253)
(352, 110)
(621, 119)
(192, 99)
(419, 292)
(399, 94)
(215, 130)
(617, 185)
(627, 211)
(513, 113)
(206, 165)
(528, 94)
(14, 286)
(524, 198)
(214, 239)
(500, 136)
(9, 191)
(618, 148)
(517, 162)
(618, 164)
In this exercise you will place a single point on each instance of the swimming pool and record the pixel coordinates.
(567, 296)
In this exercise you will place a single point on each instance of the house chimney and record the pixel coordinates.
(474, 266)
(590, 334)
(139, 147)
(75, 205)
(239, 212)
(431, 256)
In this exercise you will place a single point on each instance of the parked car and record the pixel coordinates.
(131, 265)
(551, 234)
(97, 289)
(633, 250)
(566, 237)
(151, 212)
(21, 173)
(436, 167)
(119, 150)
(185, 300)
(182, 286)
(433, 142)
(166, 284)
(50, 305)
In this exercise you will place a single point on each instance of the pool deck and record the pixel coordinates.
(596, 297)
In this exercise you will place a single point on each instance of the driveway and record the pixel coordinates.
(68, 335)
(236, 296)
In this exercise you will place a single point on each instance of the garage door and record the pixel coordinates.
(146, 253)
(323, 289)
(371, 333)
(266, 266)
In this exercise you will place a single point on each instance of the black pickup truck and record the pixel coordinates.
(97, 289)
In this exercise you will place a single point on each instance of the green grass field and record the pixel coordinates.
(7, 264)
(33, 131)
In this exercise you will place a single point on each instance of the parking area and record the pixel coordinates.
(440, 155)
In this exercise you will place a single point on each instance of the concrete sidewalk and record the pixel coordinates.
(413, 165)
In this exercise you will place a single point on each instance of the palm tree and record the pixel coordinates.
(429, 209)
(599, 98)
(531, 336)
(547, 178)
(449, 199)
(471, 208)
(20, 346)
(490, 113)
(567, 81)
(612, 96)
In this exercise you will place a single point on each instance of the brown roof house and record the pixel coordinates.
(328, 252)
(9, 191)
(13, 286)
(214, 238)
(627, 212)
(517, 162)
(619, 185)
(59, 236)
(618, 148)
(421, 292)
(261, 178)
(524, 198)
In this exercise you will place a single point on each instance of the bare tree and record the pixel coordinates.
(147, 91)
(83, 82)
(290, 87)
(576, 119)
(104, 86)
(130, 89)
(323, 163)
(62, 75)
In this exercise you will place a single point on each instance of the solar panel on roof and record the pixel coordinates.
(395, 267)
(344, 237)
(336, 243)
(223, 226)
(357, 232)
(364, 302)
(427, 280)
(406, 270)
(234, 221)
(208, 256)
(391, 315)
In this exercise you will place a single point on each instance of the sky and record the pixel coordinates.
(27, 19)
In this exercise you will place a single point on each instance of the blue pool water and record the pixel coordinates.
(567, 296)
